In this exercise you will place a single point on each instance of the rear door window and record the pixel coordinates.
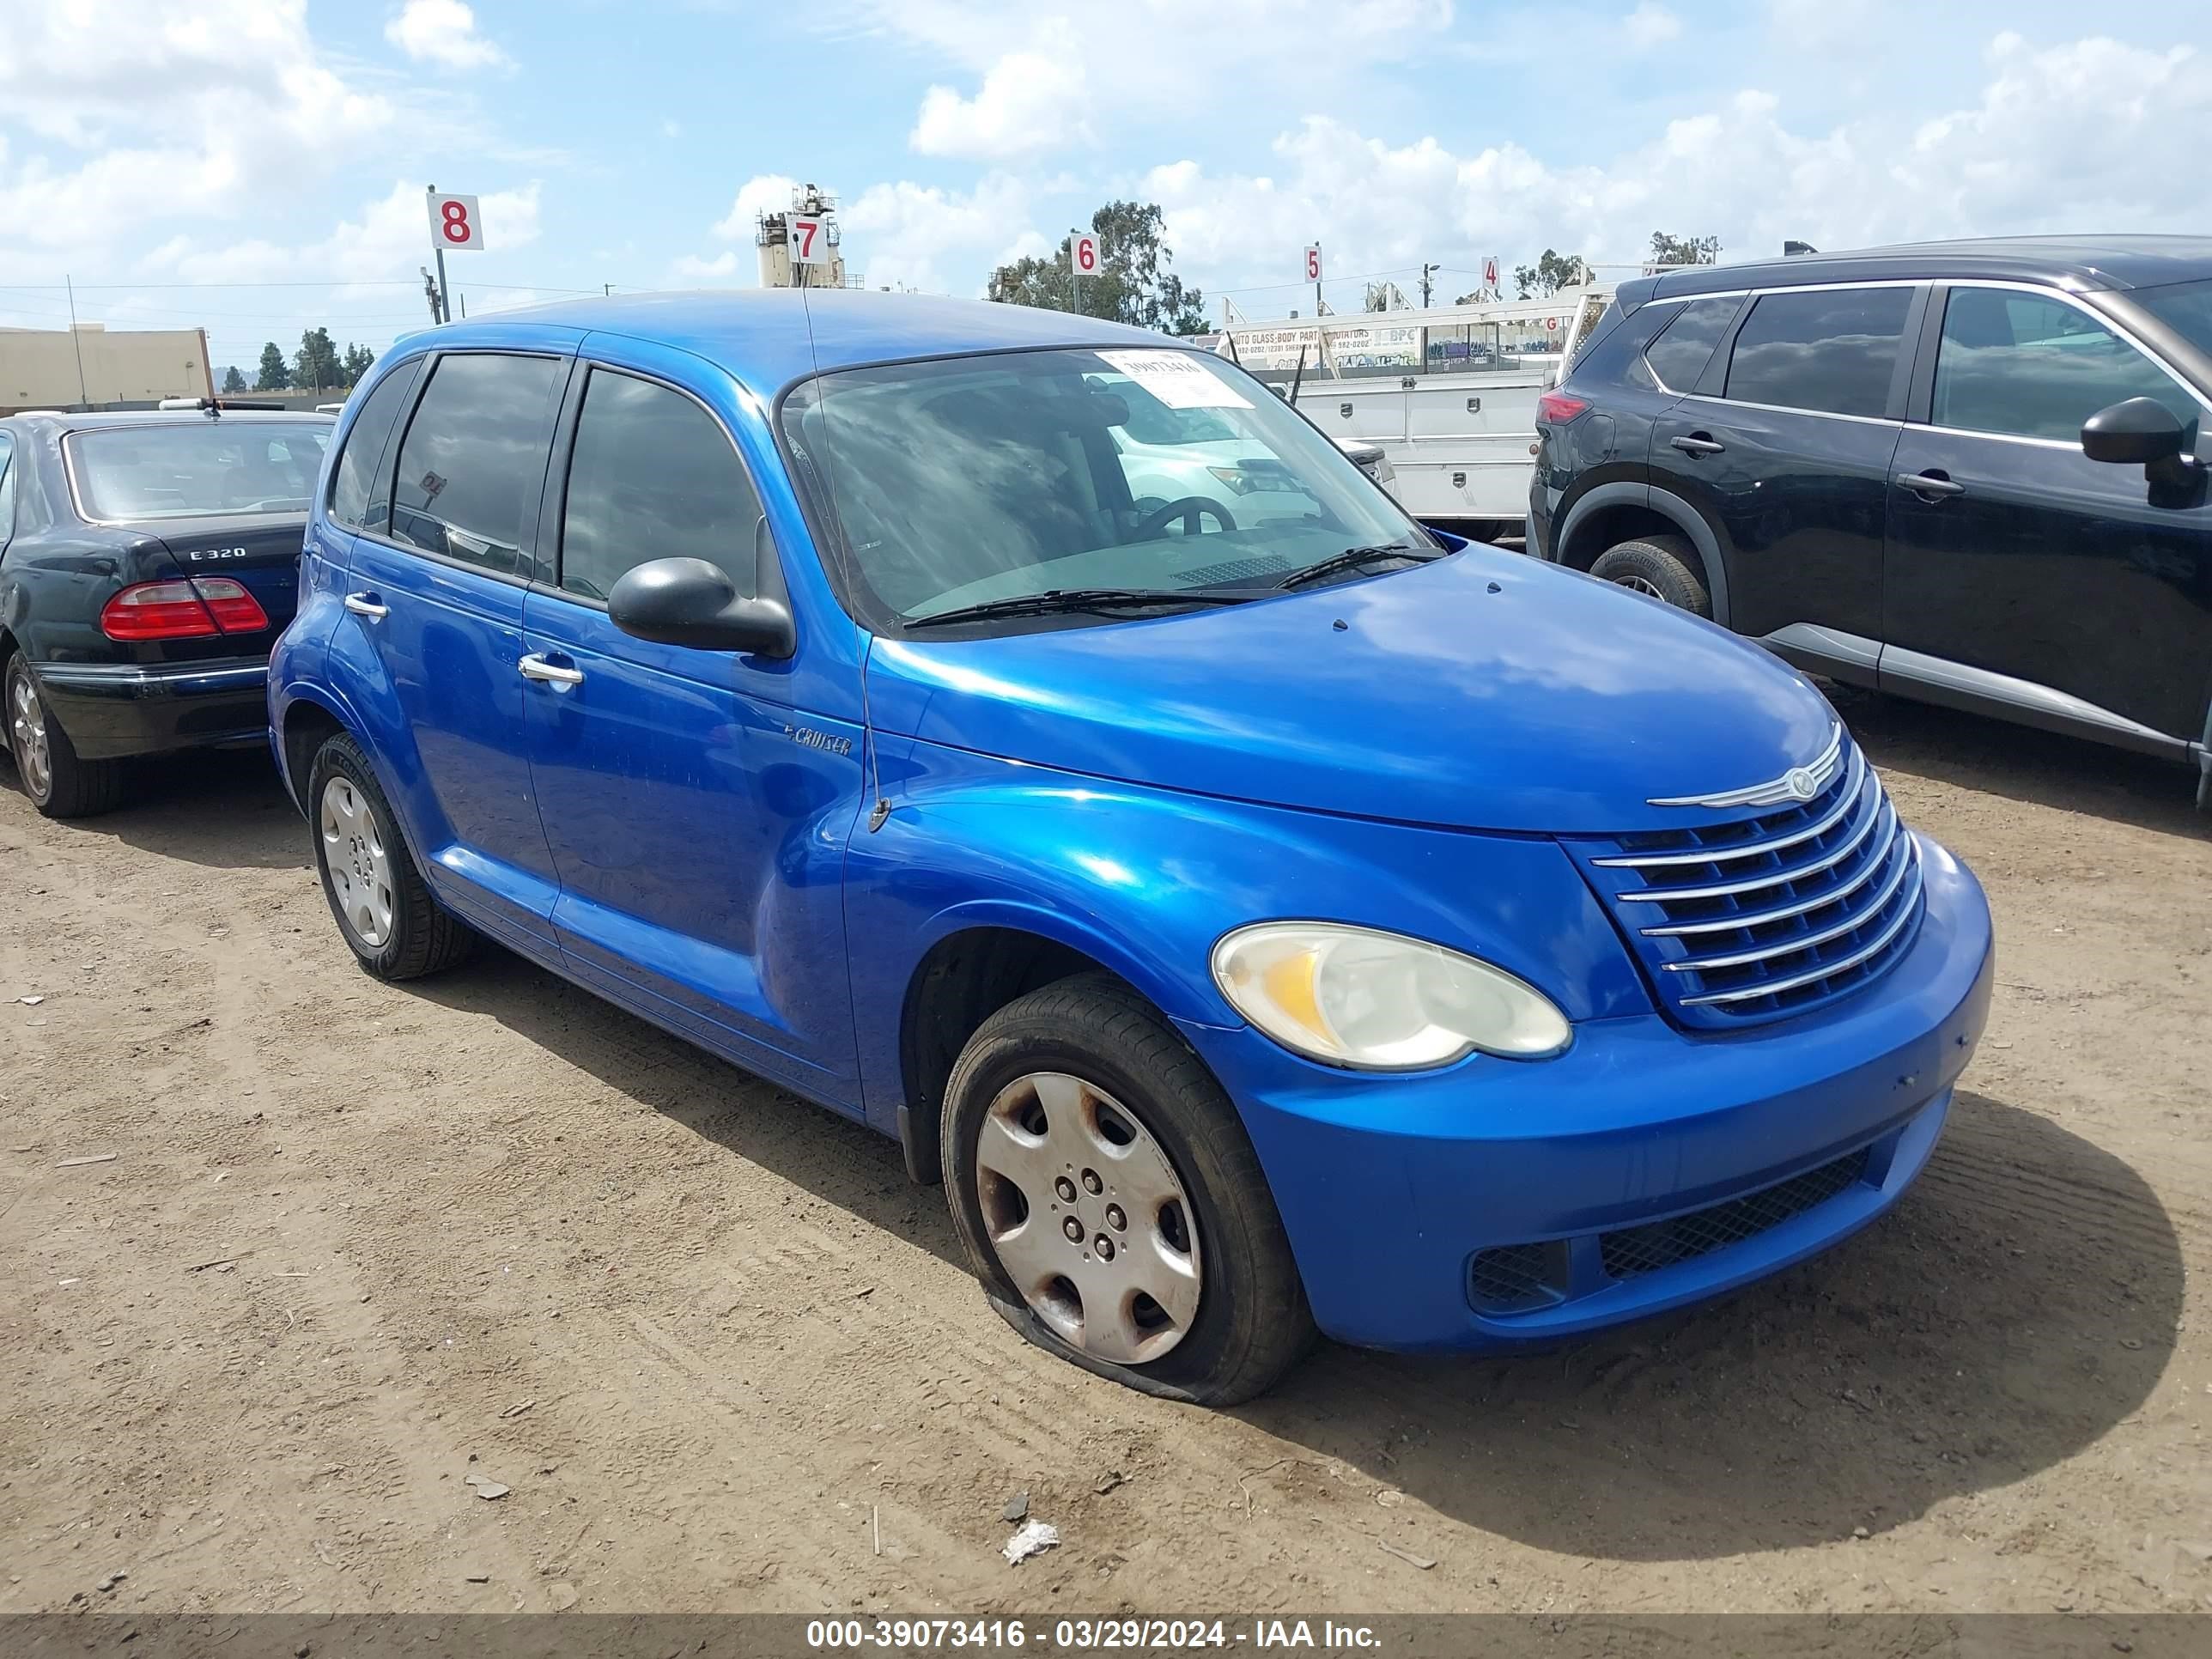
(1685, 346)
(2023, 366)
(472, 464)
(356, 497)
(651, 475)
(1832, 351)
(7, 488)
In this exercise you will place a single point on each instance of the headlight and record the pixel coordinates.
(1350, 996)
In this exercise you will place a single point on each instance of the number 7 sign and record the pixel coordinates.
(809, 237)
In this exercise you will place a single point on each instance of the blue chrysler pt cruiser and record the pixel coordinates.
(1261, 912)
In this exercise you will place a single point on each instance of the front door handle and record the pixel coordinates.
(1696, 444)
(535, 667)
(1930, 486)
(366, 604)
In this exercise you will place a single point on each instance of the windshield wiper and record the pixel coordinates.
(1353, 557)
(1061, 601)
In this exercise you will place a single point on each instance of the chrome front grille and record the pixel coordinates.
(1769, 911)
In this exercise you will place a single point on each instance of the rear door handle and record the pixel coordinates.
(535, 667)
(1930, 486)
(365, 604)
(1696, 444)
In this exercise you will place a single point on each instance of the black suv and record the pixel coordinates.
(1973, 473)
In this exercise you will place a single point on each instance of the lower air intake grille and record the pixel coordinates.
(1517, 1278)
(1646, 1249)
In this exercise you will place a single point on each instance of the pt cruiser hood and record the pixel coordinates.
(1482, 691)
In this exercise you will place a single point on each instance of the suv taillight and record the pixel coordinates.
(195, 609)
(1558, 408)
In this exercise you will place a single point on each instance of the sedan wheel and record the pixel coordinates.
(1088, 1217)
(360, 871)
(27, 731)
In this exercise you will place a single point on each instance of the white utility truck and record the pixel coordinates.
(1450, 394)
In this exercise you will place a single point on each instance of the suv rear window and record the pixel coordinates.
(1686, 345)
(1829, 350)
(199, 468)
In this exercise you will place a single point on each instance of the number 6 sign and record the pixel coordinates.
(454, 224)
(1083, 253)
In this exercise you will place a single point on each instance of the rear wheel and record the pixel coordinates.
(1662, 568)
(59, 783)
(1111, 1202)
(384, 908)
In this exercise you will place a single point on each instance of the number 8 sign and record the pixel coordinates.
(454, 224)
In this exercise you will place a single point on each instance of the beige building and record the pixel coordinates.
(91, 366)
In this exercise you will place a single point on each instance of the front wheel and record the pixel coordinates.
(1111, 1202)
(59, 783)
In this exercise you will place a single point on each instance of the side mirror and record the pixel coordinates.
(690, 602)
(2139, 433)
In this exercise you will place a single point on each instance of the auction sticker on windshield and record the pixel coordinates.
(1180, 379)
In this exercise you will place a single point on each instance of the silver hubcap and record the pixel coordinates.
(1088, 1218)
(353, 854)
(1640, 585)
(26, 726)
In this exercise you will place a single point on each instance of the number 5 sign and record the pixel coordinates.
(809, 236)
(1082, 253)
(454, 224)
(1313, 262)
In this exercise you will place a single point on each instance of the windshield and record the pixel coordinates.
(970, 480)
(2184, 307)
(200, 469)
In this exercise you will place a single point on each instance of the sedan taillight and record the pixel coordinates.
(1558, 408)
(192, 608)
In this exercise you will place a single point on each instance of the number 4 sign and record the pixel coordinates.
(809, 236)
(1083, 253)
(454, 223)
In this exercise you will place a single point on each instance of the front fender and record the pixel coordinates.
(1145, 881)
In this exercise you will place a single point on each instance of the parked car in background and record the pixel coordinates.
(148, 561)
(1253, 924)
(1973, 473)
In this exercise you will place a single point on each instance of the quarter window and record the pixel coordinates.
(2031, 367)
(473, 459)
(361, 494)
(1685, 346)
(653, 476)
(1830, 350)
(7, 488)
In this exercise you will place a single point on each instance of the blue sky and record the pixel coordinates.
(179, 158)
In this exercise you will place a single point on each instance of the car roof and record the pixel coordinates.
(2067, 262)
(101, 418)
(768, 337)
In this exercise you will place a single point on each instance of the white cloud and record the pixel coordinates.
(1031, 101)
(765, 192)
(909, 234)
(443, 32)
(389, 238)
(1651, 25)
(2017, 158)
(693, 268)
(131, 110)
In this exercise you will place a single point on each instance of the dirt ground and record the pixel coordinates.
(358, 1243)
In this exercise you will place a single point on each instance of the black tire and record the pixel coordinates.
(423, 937)
(1660, 567)
(62, 785)
(1251, 1321)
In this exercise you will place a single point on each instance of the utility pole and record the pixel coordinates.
(430, 291)
(76, 340)
(1427, 271)
(445, 301)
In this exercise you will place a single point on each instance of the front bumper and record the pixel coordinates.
(1391, 1187)
(113, 709)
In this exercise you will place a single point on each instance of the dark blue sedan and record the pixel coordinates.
(148, 562)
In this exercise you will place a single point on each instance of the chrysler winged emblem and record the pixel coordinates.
(1798, 784)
